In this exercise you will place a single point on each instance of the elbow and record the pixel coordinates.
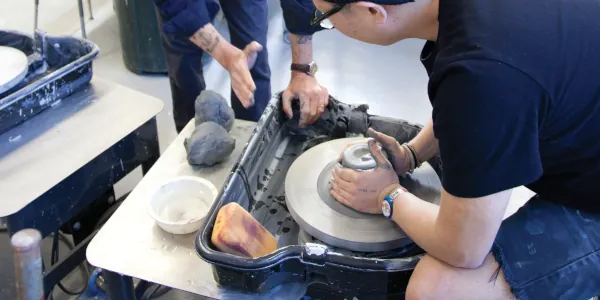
(467, 259)
(470, 263)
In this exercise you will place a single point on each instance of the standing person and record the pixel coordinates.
(303, 84)
(516, 101)
(187, 34)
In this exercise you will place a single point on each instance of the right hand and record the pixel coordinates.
(399, 157)
(313, 98)
(239, 63)
(361, 190)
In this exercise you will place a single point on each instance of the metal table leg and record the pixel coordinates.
(149, 134)
(119, 286)
(35, 16)
(90, 9)
(81, 20)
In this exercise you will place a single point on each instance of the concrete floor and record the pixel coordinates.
(390, 79)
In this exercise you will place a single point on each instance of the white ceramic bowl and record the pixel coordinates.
(179, 205)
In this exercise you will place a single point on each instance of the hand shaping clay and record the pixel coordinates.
(209, 144)
(211, 106)
(336, 121)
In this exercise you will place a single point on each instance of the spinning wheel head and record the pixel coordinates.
(310, 204)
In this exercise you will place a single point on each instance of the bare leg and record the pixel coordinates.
(434, 279)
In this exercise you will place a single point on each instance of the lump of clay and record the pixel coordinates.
(209, 144)
(210, 106)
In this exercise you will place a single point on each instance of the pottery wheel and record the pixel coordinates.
(311, 206)
(13, 67)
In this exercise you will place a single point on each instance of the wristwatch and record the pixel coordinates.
(309, 69)
(387, 205)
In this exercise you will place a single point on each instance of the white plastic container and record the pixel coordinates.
(179, 205)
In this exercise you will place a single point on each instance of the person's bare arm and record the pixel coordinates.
(301, 48)
(425, 143)
(237, 62)
(313, 97)
(211, 41)
(459, 232)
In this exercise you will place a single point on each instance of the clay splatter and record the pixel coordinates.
(13, 139)
(258, 205)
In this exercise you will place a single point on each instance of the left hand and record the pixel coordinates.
(362, 190)
(239, 63)
(313, 98)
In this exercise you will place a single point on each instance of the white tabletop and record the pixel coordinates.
(38, 154)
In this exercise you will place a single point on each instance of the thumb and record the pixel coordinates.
(381, 138)
(382, 162)
(251, 52)
(253, 48)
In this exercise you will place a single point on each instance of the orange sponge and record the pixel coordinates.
(237, 232)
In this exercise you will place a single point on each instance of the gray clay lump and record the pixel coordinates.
(210, 106)
(209, 144)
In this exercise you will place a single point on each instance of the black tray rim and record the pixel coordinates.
(298, 252)
(40, 83)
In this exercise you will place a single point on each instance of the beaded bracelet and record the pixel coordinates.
(415, 159)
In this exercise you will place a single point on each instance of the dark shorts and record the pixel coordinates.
(548, 251)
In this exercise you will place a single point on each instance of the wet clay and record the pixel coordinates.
(336, 121)
(209, 144)
(210, 106)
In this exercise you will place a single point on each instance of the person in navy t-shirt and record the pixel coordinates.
(515, 90)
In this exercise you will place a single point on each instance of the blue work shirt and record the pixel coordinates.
(182, 18)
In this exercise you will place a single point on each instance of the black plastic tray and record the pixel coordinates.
(256, 183)
(58, 66)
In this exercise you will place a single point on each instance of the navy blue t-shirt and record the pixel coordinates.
(515, 89)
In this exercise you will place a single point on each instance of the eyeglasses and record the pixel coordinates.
(323, 18)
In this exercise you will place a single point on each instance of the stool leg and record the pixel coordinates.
(35, 16)
(90, 9)
(81, 20)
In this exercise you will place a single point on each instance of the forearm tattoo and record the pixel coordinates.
(303, 39)
(208, 41)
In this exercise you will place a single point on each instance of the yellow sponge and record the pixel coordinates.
(237, 232)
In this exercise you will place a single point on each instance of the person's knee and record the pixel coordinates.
(428, 280)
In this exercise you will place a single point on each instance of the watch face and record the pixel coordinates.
(385, 208)
(313, 68)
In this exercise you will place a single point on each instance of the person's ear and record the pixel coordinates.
(375, 10)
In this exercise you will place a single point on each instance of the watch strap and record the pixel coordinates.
(304, 68)
(387, 206)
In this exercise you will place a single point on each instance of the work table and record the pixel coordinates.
(130, 243)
